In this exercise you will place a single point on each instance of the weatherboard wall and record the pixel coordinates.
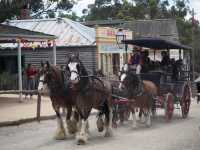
(87, 54)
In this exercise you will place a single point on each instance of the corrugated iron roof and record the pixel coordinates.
(9, 34)
(69, 32)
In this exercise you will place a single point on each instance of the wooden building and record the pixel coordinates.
(8, 57)
(72, 37)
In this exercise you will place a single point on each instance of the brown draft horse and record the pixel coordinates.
(140, 94)
(91, 93)
(61, 97)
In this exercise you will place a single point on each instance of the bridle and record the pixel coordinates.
(42, 80)
(45, 74)
(76, 72)
(139, 88)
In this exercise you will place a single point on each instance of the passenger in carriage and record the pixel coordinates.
(146, 62)
(165, 59)
(174, 70)
(135, 60)
(165, 62)
(179, 64)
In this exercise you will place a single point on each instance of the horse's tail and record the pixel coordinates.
(106, 111)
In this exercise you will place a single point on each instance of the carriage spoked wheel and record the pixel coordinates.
(185, 100)
(169, 106)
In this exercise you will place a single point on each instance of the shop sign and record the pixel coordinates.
(112, 48)
(106, 40)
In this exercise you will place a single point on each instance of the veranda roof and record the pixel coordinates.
(9, 34)
(68, 32)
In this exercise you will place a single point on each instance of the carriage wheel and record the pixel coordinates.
(115, 115)
(122, 116)
(169, 106)
(185, 100)
(127, 114)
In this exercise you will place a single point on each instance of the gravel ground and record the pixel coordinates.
(12, 110)
(179, 134)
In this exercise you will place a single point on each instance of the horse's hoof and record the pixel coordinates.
(142, 120)
(100, 124)
(121, 122)
(81, 142)
(148, 123)
(134, 127)
(82, 139)
(100, 129)
(109, 133)
(60, 135)
(148, 126)
(114, 125)
(87, 132)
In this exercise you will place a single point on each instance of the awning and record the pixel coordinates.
(9, 34)
(156, 43)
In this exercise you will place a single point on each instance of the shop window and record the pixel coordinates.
(9, 64)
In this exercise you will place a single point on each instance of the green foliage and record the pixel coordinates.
(185, 31)
(71, 16)
(11, 8)
(144, 9)
(126, 9)
(50, 14)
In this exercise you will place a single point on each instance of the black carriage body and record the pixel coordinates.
(165, 86)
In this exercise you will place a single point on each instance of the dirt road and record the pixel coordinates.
(179, 134)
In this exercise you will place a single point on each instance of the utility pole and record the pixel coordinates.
(193, 49)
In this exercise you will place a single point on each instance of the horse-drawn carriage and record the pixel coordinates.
(79, 92)
(172, 80)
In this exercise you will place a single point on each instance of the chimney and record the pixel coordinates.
(24, 12)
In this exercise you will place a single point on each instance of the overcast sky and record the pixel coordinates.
(83, 4)
(196, 5)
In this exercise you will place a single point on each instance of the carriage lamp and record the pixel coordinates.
(120, 37)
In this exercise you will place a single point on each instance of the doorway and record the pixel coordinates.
(116, 63)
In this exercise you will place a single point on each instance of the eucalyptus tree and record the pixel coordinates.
(11, 8)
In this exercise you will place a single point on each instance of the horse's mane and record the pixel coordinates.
(57, 72)
(83, 70)
(57, 86)
(133, 83)
(99, 73)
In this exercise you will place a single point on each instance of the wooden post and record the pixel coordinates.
(38, 107)
(19, 71)
(54, 52)
(126, 49)
(193, 49)
(180, 54)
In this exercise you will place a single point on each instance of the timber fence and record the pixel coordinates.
(37, 117)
